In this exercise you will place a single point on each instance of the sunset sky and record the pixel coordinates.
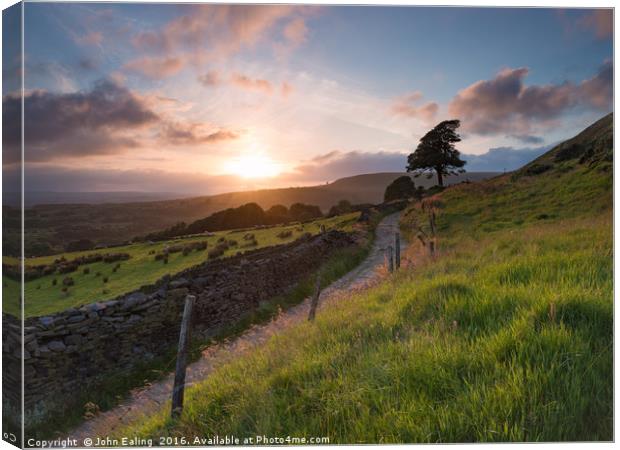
(205, 99)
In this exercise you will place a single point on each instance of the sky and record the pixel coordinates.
(204, 99)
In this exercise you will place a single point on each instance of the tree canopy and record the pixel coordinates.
(401, 188)
(436, 152)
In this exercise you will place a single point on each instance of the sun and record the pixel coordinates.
(253, 166)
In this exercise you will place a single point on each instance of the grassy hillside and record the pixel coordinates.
(44, 297)
(506, 335)
(56, 225)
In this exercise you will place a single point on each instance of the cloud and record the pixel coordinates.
(408, 106)
(337, 164)
(503, 158)
(214, 78)
(211, 78)
(286, 89)
(92, 38)
(255, 84)
(505, 105)
(600, 21)
(296, 31)
(209, 32)
(156, 67)
(528, 138)
(598, 90)
(194, 133)
(77, 123)
(108, 119)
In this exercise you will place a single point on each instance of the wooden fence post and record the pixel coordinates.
(179, 376)
(315, 298)
(397, 250)
(390, 258)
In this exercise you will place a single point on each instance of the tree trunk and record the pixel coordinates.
(439, 177)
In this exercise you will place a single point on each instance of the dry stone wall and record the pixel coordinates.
(75, 348)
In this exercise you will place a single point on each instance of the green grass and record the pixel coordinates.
(466, 349)
(506, 336)
(42, 297)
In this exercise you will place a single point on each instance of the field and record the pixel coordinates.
(505, 335)
(43, 297)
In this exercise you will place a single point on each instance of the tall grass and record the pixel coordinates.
(503, 338)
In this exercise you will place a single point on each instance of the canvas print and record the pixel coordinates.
(297, 224)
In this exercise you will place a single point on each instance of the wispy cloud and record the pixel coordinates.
(254, 84)
(210, 32)
(211, 78)
(154, 67)
(409, 105)
(178, 133)
(600, 21)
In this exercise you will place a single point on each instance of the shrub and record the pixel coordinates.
(113, 257)
(251, 243)
(54, 282)
(284, 234)
(537, 169)
(105, 279)
(566, 152)
(86, 270)
(218, 251)
(68, 281)
(68, 267)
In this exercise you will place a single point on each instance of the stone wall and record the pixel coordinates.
(72, 349)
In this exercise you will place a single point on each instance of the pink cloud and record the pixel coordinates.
(504, 104)
(211, 78)
(177, 133)
(286, 89)
(217, 31)
(601, 21)
(296, 31)
(408, 106)
(154, 67)
(256, 84)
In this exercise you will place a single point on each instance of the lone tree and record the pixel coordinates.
(401, 188)
(436, 152)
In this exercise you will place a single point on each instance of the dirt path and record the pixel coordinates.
(148, 399)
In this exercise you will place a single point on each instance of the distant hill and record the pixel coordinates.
(42, 198)
(56, 225)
